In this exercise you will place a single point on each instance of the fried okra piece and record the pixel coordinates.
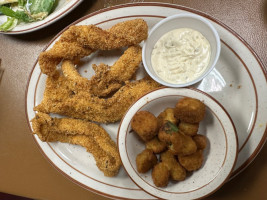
(145, 124)
(192, 162)
(176, 144)
(189, 110)
(168, 134)
(145, 161)
(167, 115)
(156, 145)
(177, 172)
(160, 175)
(201, 141)
(189, 145)
(188, 128)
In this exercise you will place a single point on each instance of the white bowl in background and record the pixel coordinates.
(168, 24)
(219, 155)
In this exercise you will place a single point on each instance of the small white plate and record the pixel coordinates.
(63, 8)
(219, 156)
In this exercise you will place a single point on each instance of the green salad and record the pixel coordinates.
(24, 11)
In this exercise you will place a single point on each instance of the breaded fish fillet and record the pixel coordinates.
(80, 132)
(60, 99)
(80, 41)
(107, 79)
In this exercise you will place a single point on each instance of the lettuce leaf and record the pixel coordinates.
(41, 6)
(9, 24)
(20, 15)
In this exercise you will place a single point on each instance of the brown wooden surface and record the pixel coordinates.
(23, 169)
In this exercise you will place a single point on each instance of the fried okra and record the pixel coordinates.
(188, 128)
(145, 124)
(145, 160)
(156, 145)
(189, 145)
(169, 134)
(201, 141)
(173, 134)
(177, 172)
(178, 142)
(160, 175)
(166, 115)
(189, 110)
(166, 132)
(192, 162)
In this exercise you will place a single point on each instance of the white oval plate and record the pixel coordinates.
(219, 156)
(63, 8)
(238, 82)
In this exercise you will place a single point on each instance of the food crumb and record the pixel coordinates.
(231, 85)
(238, 87)
(85, 71)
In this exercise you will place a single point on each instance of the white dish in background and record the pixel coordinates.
(238, 82)
(219, 155)
(184, 20)
(63, 8)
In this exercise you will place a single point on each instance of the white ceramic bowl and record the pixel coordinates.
(219, 155)
(191, 21)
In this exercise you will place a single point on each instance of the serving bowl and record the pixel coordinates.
(219, 156)
(178, 21)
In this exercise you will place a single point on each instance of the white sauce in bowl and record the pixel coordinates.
(181, 55)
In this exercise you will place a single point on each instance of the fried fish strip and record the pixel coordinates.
(60, 99)
(122, 34)
(80, 41)
(107, 79)
(80, 132)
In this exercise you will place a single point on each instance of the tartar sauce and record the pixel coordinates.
(181, 55)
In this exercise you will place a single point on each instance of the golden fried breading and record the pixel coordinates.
(107, 79)
(166, 132)
(189, 145)
(167, 115)
(188, 128)
(177, 172)
(80, 41)
(48, 60)
(145, 161)
(170, 134)
(60, 99)
(176, 145)
(189, 110)
(87, 134)
(156, 145)
(160, 175)
(122, 34)
(145, 124)
(192, 162)
(201, 141)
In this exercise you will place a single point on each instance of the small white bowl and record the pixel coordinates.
(191, 21)
(219, 156)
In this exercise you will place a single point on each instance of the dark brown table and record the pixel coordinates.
(23, 169)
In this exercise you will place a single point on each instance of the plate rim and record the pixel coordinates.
(156, 4)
